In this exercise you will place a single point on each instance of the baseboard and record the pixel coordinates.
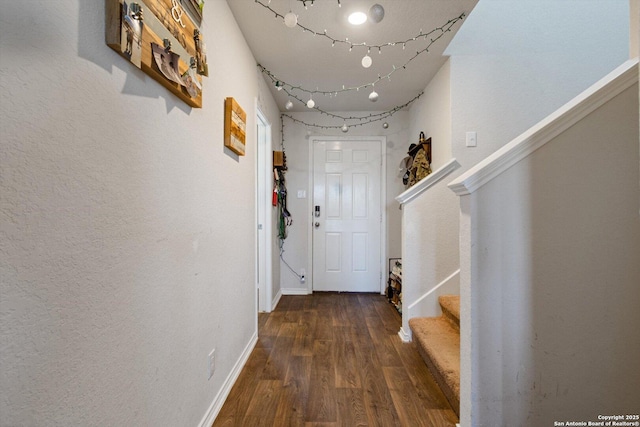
(294, 291)
(404, 336)
(218, 401)
(276, 300)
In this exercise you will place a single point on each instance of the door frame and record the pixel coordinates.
(383, 204)
(264, 215)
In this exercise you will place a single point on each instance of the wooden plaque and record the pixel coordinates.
(133, 39)
(278, 159)
(235, 125)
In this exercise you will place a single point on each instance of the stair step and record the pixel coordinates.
(438, 342)
(451, 308)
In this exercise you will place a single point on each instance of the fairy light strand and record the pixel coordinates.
(282, 131)
(371, 118)
(443, 30)
(333, 115)
(351, 118)
(346, 41)
(304, 2)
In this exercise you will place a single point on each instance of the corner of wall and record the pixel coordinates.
(218, 401)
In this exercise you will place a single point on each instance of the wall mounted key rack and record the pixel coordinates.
(162, 39)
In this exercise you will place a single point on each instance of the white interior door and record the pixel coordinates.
(347, 215)
(263, 212)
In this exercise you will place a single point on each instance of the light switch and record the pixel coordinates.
(302, 194)
(472, 139)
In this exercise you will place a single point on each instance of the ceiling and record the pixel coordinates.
(299, 58)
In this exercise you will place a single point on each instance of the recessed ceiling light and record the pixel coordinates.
(357, 18)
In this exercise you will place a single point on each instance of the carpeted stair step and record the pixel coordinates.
(451, 309)
(438, 342)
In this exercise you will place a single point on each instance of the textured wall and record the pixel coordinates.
(554, 298)
(514, 62)
(430, 236)
(431, 114)
(634, 28)
(127, 248)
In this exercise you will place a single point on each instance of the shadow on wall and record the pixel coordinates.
(91, 30)
(93, 48)
(557, 291)
(585, 294)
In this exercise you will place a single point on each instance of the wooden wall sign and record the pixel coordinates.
(278, 159)
(235, 125)
(161, 39)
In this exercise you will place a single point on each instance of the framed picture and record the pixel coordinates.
(235, 125)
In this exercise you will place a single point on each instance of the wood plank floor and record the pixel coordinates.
(332, 359)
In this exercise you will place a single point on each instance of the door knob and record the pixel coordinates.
(317, 224)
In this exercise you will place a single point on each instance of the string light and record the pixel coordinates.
(443, 30)
(367, 61)
(304, 2)
(385, 125)
(346, 41)
(373, 96)
(345, 128)
(290, 19)
(353, 118)
(362, 120)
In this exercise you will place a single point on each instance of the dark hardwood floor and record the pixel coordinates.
(332, 359)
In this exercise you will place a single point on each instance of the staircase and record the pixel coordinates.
(438, 341)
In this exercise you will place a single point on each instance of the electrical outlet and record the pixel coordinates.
(212, 362)
(302, 275)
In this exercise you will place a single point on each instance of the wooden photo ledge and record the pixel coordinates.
(134, 27)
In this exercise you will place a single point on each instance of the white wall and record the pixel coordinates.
(127, 249)
(430, 222)
(514, 62)
(431, 114)
(555, 285)
(296, 142)
(634, 28)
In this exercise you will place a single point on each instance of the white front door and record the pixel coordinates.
(347, 215)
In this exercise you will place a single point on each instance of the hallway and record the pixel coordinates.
(334, 360)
